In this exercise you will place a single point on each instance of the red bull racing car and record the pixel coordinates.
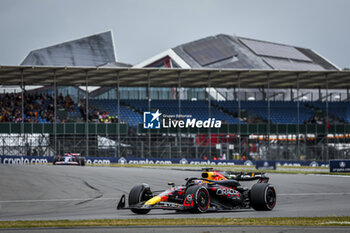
(213, 191)
(69, 159)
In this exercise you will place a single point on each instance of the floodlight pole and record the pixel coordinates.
(149, 110)
(55, 109)
(298, 119)
(87, 112)
(239, 115)
(209, 113)
(268, 113)
(327, 117)
(118, 123)
(22, 96)
(179, 111)
(319, 94)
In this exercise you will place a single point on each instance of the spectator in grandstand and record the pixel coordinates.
(114, 119)
(40, 108)
(36, 106)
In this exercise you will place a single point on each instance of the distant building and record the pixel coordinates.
(220, 51)
(232, 52)
(94, 50)
(225, 51)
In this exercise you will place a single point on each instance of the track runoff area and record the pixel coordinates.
(46, 192)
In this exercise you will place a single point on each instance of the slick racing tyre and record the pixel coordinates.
(55, 159)
(139, 193)
(81, 161)
(262, 196)
(198, 197)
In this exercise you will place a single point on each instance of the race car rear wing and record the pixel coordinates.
(209, 173)
(246, 176)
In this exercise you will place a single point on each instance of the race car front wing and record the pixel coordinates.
(160, 205)
(66, 163)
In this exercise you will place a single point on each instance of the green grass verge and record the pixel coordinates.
(305, 221)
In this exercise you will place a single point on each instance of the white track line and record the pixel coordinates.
(56, 200)
(112, 198)
(311, 194)
(345, 176)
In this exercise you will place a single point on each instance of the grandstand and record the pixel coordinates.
(275, 101)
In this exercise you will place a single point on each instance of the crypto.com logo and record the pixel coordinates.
(151, 120)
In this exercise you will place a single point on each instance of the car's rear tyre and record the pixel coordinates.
(55, 159)
(139, 193)
(81, 161)
(200, 197)
(262, 196)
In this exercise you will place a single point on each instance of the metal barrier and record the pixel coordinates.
(246, 129)
(62, 128)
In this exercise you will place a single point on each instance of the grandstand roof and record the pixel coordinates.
(94, 50)
(137, 77)
(226, 51)
(116, 64)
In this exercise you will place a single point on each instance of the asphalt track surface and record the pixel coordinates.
(45, 192)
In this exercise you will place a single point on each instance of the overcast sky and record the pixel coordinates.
(143, 28)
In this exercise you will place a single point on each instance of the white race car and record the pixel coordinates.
(69, 159)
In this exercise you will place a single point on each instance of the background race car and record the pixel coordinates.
(69, 159)
(213, 191)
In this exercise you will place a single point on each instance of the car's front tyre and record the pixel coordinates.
(55, 159)
(81, 161)
(139, 193)
(199, 196)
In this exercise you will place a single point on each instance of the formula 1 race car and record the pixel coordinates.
(214, 191)
(69, 159)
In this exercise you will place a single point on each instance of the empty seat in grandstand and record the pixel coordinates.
(282, 112)
(195, 109)
(111, 106)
